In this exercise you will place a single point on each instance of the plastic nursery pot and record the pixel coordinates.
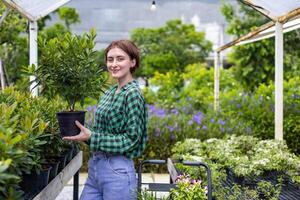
(69, 155)
(62, 161)
(75, 151)
(34, 183)
(66, 121)
(54, 169)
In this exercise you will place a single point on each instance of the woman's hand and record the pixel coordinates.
(85, 134)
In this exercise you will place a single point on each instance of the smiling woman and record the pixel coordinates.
(120, 131)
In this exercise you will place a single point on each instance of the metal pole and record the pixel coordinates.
(220, 45)
(76, 186)
(33, 53)
(2, 76)
(216, 81)
(278, 81)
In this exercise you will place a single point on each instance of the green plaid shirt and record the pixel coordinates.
(120, 122)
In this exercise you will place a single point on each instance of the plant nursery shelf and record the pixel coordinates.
(51, 191)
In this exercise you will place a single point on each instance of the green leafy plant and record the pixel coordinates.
(263, 164)
(8, 182)
(68, 68)
(148, 195)
(27, 129)
(268, 191)
(188, 189)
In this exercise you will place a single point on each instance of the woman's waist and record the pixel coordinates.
(107, 155)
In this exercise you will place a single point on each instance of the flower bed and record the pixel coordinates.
(243, 166)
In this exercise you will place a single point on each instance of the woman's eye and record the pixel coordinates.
(120, 59)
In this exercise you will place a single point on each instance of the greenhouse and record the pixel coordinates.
(181, 100)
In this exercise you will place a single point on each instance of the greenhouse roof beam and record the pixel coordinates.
(285, 17)
(291, 21)
(35, 9)
(273, 9)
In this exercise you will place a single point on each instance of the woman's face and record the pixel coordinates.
(119, 63)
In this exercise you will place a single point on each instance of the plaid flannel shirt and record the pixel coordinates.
(120, 122)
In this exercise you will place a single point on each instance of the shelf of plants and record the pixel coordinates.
(52, 190)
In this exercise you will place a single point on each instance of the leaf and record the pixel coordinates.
(15, 140)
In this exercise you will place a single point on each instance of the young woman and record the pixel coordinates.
(120, 131)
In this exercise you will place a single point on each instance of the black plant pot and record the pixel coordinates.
(34, 183)
(66, 121)
(62, 164)
(69, 154)
(75, 151)
(62, 161)
(54, 169)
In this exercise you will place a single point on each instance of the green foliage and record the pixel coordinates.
(27, 128)
(264, 190)
(187, 189)
(254, 63)
(8, 182)
(100, 58)
(68, 68)
(247, 156)
(11, 26)
(14, 42)
(148, 195)
(256, 111)
(193, 87)
(56, 30)
(178, 112)
(170, 48)
(69, 15)
(13, 46)
(169, 85)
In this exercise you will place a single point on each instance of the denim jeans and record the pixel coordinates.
(110, 177)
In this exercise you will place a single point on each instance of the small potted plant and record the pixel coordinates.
(68, 67)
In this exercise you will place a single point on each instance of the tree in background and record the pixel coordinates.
(13, 47)
(170, 48)
(254, 63)
(69, 15)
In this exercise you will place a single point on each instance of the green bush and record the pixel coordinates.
(181, 107)
(68, 68)
(27, 129)
(257, 111)
(246, 156)
(8, 182)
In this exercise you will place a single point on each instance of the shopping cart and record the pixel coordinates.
(166, 187)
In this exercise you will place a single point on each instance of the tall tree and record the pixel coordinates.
(170, 48)
(254, 63)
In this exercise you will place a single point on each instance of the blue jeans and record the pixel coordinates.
(110, 177)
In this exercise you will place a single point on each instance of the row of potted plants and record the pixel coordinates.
(30, 144)
(244, 161)
(30, 135)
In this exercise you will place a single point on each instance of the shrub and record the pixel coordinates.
(27, 129)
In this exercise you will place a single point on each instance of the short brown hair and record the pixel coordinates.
(128, 47)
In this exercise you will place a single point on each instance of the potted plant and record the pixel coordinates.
(68, 68)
